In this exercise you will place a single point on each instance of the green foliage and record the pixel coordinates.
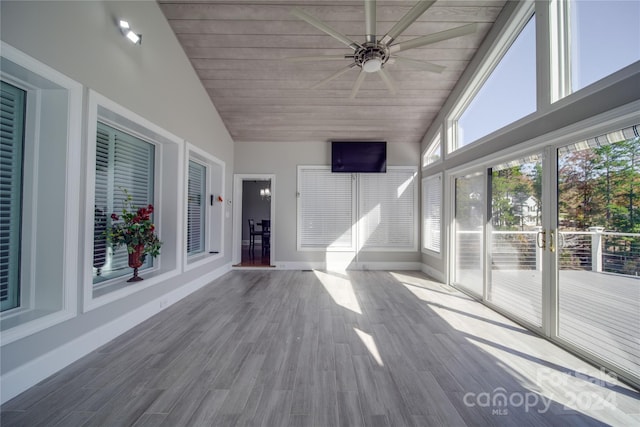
(511, 189)
(134, 227)
(599, 186)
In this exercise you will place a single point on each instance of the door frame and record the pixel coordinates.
(238, 179)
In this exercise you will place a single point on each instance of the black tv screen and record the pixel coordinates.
(359, 156)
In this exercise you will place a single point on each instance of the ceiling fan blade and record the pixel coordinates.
(324, 27)
(433, 38)
(317, 58)
(334, 76)
(408, 19)
(357, 84)
(370, 20)
(420, 65)
(386, 78)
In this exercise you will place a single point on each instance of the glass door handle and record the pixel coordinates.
(552, 247)
(541, 239)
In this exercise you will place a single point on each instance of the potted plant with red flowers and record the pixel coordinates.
(134, 228)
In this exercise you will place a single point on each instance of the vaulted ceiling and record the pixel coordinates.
(242, 52)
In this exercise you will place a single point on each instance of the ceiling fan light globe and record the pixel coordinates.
(372, 65)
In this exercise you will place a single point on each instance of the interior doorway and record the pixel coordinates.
(254, 231)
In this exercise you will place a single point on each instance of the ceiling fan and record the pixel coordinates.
(374, 54)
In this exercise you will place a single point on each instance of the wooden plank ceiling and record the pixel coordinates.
(238, 48)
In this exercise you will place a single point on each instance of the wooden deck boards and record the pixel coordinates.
(285, 348)
(597, 311)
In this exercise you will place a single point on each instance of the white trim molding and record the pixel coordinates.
(169, 176)
(52, 99)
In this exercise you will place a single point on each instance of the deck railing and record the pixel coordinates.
(594, 250)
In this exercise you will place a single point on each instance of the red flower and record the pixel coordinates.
(114, 217)
(150, 209)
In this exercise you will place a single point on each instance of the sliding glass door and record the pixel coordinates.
(552, 238)
(599, 247)
(515, 238)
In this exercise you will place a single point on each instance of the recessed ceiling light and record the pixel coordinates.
(126, 30)
(135, 38)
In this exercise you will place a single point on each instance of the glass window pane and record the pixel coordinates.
(196, 208)
(432, 211)
(599, 246)
(469, 224)
(123, 162)
(605, 37)
(507, 95)
(11, 149)
(515, 279)
(432, 154)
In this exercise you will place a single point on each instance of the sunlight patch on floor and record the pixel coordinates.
(339, 261)
(370, 343)
(340, 289)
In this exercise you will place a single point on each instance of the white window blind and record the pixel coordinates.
(325, 209)
(387, 209)
(196, 208)
(12, 103)
(123, 162)
(431, 211)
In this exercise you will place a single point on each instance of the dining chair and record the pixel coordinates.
(252, 235)
(266, 236)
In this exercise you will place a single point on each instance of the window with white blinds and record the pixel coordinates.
(12, 102)
(336, 210)
(326, 209)
(432, 212)
(123, 162)
(196, 208)
(387, 210)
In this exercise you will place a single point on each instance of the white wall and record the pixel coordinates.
(155, 81)
(282, 159)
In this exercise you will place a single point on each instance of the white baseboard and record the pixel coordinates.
(433, 273)
(297, 265)
(22, 378)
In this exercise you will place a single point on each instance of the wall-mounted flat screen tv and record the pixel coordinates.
(359, 156)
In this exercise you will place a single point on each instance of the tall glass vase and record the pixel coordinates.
(136, 259)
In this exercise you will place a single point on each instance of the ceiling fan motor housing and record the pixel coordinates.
(371, 57)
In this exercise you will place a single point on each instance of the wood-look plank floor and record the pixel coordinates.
(311, 348)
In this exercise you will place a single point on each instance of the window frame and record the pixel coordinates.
(495, 52)
(51, 99)
(168, 188)
(425, 185)
(130, 139)
(214, 213)
(559, 50)
(432, 147)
